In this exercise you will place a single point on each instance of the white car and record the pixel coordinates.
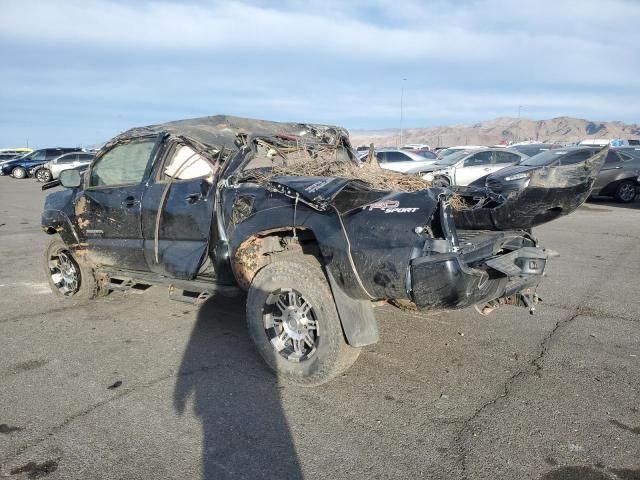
(467, 166)
(415, 146)
(449, 150)
(402, 160)
(615, 142)
(51, 170)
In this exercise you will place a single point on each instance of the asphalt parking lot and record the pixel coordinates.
(452, 396)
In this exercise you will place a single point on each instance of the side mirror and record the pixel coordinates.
(70, 178)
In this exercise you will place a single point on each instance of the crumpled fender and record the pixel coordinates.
(56, 221)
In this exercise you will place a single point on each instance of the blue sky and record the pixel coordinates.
(78, 72)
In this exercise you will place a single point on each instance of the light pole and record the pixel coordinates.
(401, 110)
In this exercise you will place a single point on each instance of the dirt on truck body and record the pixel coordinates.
(287, 212)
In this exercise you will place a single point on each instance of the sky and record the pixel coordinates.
(78, 72)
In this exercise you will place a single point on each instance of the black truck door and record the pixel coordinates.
(109, 209)
(178, 209)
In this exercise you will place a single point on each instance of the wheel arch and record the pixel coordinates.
(261, 248)
(448, 177)
(358, 322)
(55, 221)
(611, 187)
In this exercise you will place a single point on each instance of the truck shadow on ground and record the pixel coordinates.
(245, 432)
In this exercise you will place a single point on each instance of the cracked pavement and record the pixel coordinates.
(447, 396)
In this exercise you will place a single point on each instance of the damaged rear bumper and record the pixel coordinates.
(447, 281)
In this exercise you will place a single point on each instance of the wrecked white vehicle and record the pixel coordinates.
(288, 213)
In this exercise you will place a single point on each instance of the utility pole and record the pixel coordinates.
(518, 137)
(401, 111)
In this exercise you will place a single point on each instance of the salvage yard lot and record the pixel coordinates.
(452, 395)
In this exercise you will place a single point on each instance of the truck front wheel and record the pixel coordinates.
(66, 277)
(294, 324)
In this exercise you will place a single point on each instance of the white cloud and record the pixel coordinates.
(491, 30)
(333, 61)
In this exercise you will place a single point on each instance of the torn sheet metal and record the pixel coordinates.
(540, 194)
(318, 192)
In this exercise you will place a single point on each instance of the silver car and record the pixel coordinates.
(620, 175)
(51, 170)
(402, 160)
(467, 166)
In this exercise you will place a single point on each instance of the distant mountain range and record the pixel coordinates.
(500, 130)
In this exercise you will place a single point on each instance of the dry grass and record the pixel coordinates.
(297, 161)
(458, 203)
(369, 172)
(376, 177)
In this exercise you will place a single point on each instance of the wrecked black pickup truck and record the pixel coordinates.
(287, 212)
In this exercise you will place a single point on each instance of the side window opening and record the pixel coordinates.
(69, 158)
(576, 157)
(480, 158)
(506, 157)
(124, 164)
(611, 158)
(186, 164)
(41, 155)
(392, 157)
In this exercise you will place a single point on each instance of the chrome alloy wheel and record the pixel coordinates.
(64, 272)
(290, 324)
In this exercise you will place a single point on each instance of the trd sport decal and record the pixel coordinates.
(390, 206)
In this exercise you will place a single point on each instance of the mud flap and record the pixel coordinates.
(358, 321)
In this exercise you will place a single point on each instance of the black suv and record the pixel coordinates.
(287, 212)
(19, 167)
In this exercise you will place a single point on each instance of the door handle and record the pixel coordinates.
(130, 202)
(193, 198)
(486, 169)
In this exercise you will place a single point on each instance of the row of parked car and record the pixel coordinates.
(45, 164)
(472, 165)
(461, 166)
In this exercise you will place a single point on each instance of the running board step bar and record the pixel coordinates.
(188, 296)
(189, 291)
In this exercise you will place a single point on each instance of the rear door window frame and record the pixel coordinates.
(167, 155)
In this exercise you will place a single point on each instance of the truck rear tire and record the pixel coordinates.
(67, 278)
(294, 324)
